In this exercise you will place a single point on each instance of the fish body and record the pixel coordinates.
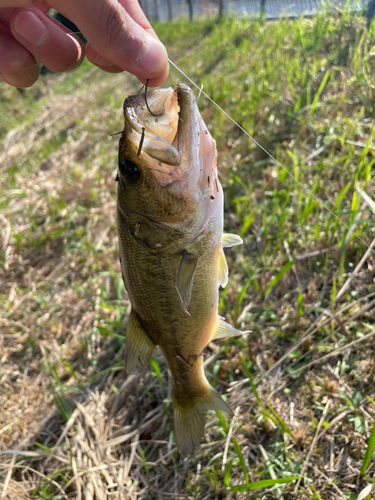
(170, 224)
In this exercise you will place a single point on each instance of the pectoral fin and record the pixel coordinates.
(223, 269)
(230, 240)
(139, 347)
(224, 329)
(185, 279)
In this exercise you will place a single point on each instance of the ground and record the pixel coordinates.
(301, 383)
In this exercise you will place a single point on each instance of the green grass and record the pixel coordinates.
(304, 89)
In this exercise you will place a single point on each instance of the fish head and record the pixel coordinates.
(167, 162)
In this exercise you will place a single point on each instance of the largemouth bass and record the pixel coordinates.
(170, 225)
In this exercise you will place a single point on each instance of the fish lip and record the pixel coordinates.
(168, 154)
(185, 99)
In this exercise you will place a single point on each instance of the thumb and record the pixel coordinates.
(113, 34)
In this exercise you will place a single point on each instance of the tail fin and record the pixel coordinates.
(189, 423)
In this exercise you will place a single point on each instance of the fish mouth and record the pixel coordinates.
(160, 121)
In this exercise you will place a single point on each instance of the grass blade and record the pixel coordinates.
(257, 485)
(242, 461)
(369, 451)
(251, 382)
(365, 493)
(319, 93)
(279, 276)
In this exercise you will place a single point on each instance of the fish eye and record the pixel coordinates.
(130, 170)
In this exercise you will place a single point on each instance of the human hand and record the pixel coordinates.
(119, 38)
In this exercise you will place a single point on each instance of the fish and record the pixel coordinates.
(170, 227)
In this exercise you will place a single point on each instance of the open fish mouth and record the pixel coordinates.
(160, 122)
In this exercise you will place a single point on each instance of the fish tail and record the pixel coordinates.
(189, 422)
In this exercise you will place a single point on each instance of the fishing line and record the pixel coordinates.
(308, 191)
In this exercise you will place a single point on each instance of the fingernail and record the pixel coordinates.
(154, 57)
(31, 28)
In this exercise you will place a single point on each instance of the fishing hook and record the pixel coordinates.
(148, 109)
(141, 142)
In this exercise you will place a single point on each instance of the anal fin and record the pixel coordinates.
(224, 329)
(138, 345)
(185, 279)
(230, 240)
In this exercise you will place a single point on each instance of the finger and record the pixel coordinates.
(49, 41)
(106, 65)
(100, 61)
(5, 14)
(155, 82)
(42, 5)
(114, 35)
(135, 11)
(18, 3)
(17, 66)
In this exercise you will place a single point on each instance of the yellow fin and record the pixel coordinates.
(185, 279)
(230, 240)
(189, 423)
(138, 345)
(223, 269)
(224, 329)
